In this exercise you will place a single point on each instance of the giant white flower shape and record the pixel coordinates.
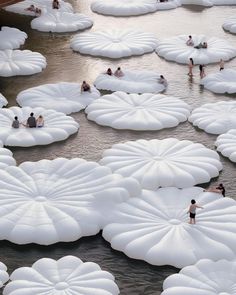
(215, 118)
(11, 38)
(3, 101)
(138, 112)
(57, 127)
(21, 62)
(205, 277)
(114, 43)
(68, 275)
(175, 49)
(221, 82)
(230, 24)
(131, 7)
(155, 228)
(60, 200)
(63, 97)
(123, 7)
(167, 162)
(4, 277)
(226, 144)
(131, 82)
(60, 22)
(6, 158)
(44, 5)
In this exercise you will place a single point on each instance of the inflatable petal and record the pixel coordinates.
(221, 82)
(44, 5)
(3, 101)
(60, 200)
(114, 43)
(167, 162)
(206, 277)
(226, 144)
(4, 277)
(68, 275)
(61, 22)
(138, 112)
(57, 126)
(11, 38)
(20, 62)
(62, 97)
(215, 118)
(230, 24)
(131, 82)
(175, 49)
(123, 7)
(155, 228)
(6, 157)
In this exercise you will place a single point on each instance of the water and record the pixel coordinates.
(132, 276)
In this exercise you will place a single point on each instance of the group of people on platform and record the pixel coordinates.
(31, 122)
(38, 11)
(201, 45)
(118, 73)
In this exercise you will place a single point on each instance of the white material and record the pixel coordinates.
(131, 7)
(123, 7)
(167, 162)
(21, 62)
(61, 22)
(224, 2)
(221, 82)
(170, 4)
(67, 276)
(175, 49)
(11, 38)
(226, 144)
(57, 127)
(3, 101)
(155, 228)
(230, 24)
(207, 3)
(114, 43)
(215, 118)
(44, 5)
(138, 112)
(58, 200)
(6, 159)
(63, 97)
(205, 277)
(131, 82)
(4, 277)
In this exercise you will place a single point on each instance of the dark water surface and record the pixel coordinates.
(132, 276)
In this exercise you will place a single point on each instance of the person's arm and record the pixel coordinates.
(199, 207)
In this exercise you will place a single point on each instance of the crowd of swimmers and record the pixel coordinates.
(31, 122)
(119, 73)
(38, 11)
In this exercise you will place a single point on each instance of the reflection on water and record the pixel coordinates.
(133, 277)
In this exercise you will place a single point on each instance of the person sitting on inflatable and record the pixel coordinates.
(118, 73)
